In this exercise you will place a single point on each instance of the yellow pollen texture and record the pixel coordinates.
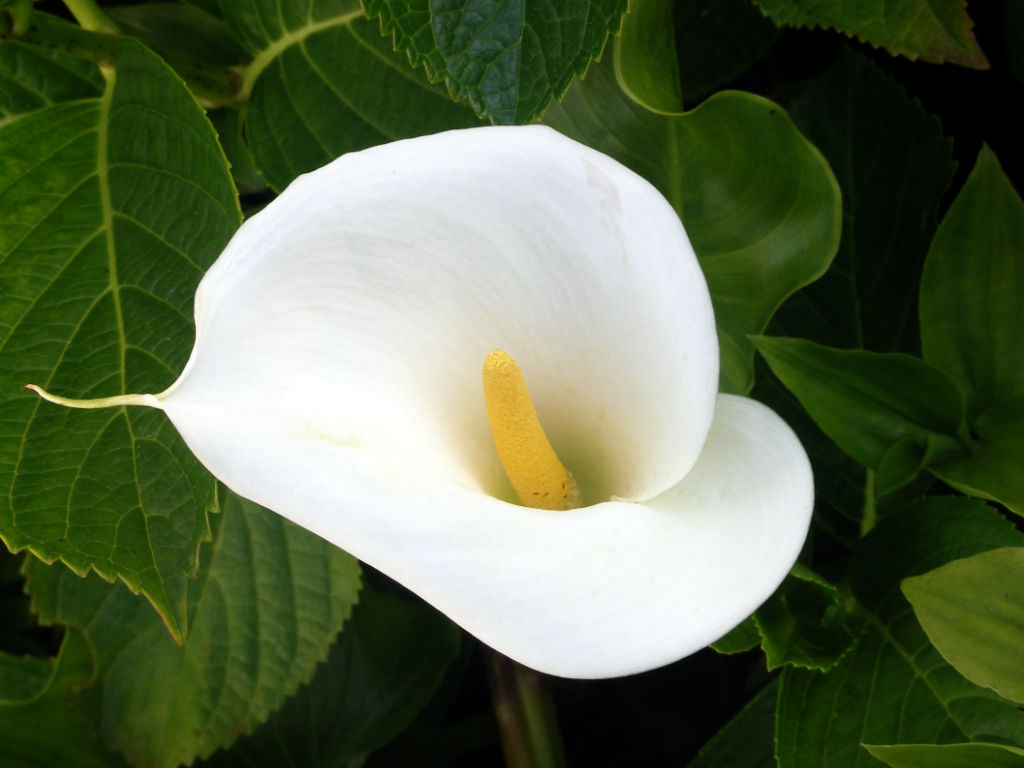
(533, 469)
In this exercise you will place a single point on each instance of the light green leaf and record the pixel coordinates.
(933, 30)
(976, 755)
(43, 729)
(746, 741)
(992, 470)
(323, 82)
(972, 611)
(32, 78)
(383, 669)
(110, 211)
(268, 602)
(894, 687)
(803, 623)
(744, 637)
(645, 56)
(972, 319)
(891, 412)
(759, 236)
(507, 59)
(893, 174)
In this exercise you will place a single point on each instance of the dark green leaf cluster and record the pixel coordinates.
(862, 285)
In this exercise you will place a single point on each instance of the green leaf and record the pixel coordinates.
(746, 741)
(891, 412)
(268, 602)
(42, 729)
(508, 60)
(803, 624)
(644, 52)
(938, 31)
(977, 755)
(744, 637)
(110, 211)
(992, 470)
(972, 612)
(34, 78)
(382, 670)
(759, 236)
(894, 687)
(323, 82)
(893, 174)
(180, 30)
(972, 319)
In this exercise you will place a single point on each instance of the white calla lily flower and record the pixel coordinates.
(336, 379)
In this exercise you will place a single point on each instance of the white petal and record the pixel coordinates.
(600, 591)
(360, 305)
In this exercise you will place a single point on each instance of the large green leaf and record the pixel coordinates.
(382, 670)
(933, 30)
(972, 324)
(894, 687)
(33, 78)
(893, 174)
(972, 319)
(971, 610)
(268, 601)
(759, 202)
(324, 82)
(977, 755)
(41, 729)
(110, 210)
(891, 412)
(507, 58)
(645, 56)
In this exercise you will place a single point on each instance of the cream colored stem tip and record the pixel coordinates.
(99, 402)
(537, 476)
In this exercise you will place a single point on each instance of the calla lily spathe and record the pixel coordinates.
(336, 380)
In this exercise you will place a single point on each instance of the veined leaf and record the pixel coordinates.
(974, 755)
(894, 687)
(893, 174)
(110, 210)
(382, 670)
(42, 728)
(746, 741)
(268, 602)
(324, 81)
(759, 234)
(932, 30)
(507, 58)
(33, 78)
(971, 610)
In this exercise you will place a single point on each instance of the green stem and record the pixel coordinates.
(91, 17)
(526, 716)
(870, 515)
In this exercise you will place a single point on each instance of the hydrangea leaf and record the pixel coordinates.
(894, 687)
(971, 611)
(893, 174)
(972, 323)
(103, 239)
(323, 81)
(972, 755)
(891, 412)
(759, 236)
(32, 78)
(506, 59)
(42, 727)
(383, 669)
(267, 603)
(938, 31)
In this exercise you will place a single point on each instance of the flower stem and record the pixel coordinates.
(91, 17)
(870, 515)
(526, 716)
